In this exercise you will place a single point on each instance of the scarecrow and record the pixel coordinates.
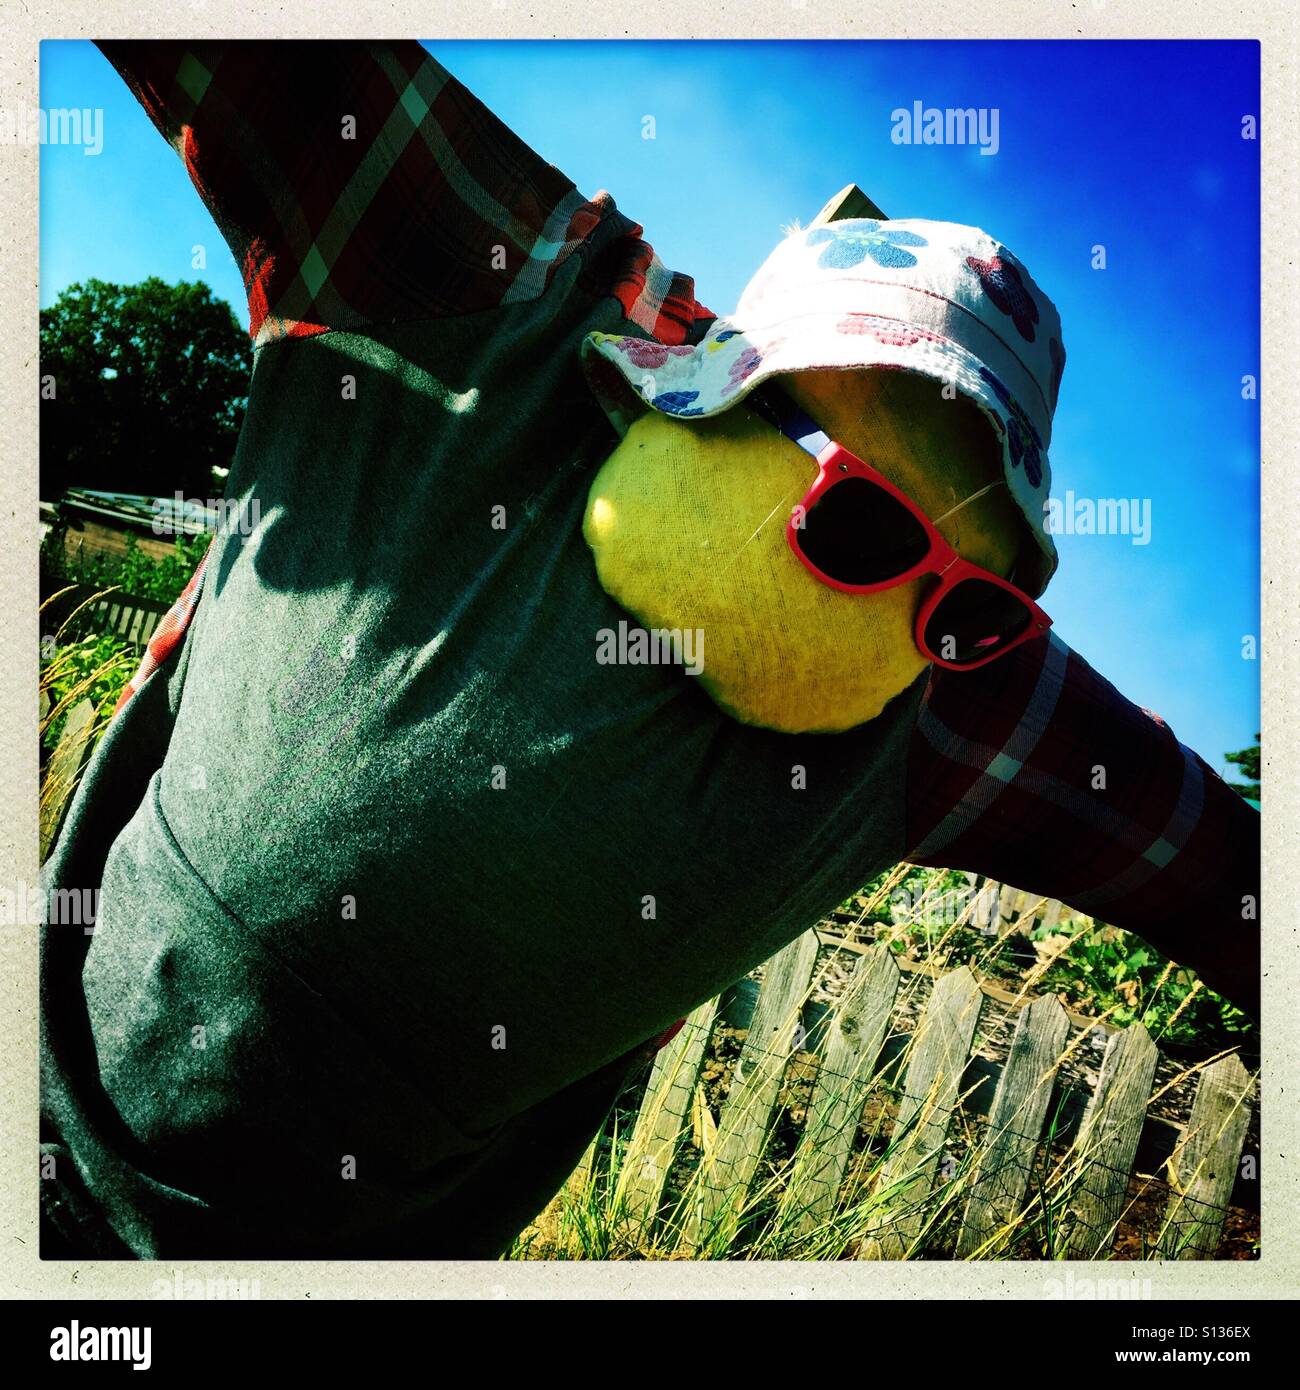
(398, 874)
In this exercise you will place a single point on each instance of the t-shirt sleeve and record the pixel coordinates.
(359, 184)
(1036, 771)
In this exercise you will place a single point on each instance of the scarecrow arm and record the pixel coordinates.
(360, 184)
(1036, 771)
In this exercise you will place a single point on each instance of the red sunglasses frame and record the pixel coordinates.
(836, 464)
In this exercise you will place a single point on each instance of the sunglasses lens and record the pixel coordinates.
(973, 620)
(856, 533)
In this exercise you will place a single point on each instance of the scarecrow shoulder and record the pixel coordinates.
(360, 184)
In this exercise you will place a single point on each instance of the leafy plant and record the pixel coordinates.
(162, 579)
(97, 666)
(136, 574)
(1105, 969)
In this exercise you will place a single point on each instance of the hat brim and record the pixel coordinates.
(630, 375)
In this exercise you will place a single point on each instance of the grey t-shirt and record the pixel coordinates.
(396, 875)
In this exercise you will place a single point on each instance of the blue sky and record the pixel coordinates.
(1133, 146)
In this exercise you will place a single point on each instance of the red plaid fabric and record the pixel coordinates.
(360, 183)
(168, 634)
(663, 1039)
(1036, 771)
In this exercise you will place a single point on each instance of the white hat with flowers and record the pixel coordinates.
(936, 298)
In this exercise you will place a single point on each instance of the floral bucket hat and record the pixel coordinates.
(935, 298)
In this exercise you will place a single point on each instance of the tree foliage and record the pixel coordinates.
(143, 388)
(1247, 759)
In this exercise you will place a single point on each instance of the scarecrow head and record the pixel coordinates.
(923, 350)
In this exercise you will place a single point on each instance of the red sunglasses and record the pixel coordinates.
(858, 533)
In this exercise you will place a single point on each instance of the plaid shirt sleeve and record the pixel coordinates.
(360, 184)
(1036, 771)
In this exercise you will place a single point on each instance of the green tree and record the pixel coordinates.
(1247, 759)
(143, 388)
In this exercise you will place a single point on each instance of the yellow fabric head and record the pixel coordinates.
(686, 520)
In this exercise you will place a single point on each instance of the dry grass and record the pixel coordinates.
(887, 1196)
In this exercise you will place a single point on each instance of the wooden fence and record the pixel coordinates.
(131, 619)
(1087, 1145)
(120, 615)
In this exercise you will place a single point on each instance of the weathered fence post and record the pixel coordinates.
(1015, 1123)
(664, 1115)
(1203, 1167)
(1009, 900)
(986, 914)
(742, 1129)
(939, 1052)
(853, 1044)
(1102, 1160)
